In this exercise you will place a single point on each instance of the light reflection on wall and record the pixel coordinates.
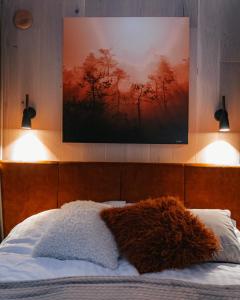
(37, 145)
(28, 148)
(220, 152)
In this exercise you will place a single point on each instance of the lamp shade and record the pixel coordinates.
(221, 115)
(28, 114)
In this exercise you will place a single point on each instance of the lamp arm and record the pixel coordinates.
(223, 103)
(27, 100)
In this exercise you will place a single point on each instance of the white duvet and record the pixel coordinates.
(17, 263)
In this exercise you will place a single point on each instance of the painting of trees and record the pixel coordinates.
(105, 101)
(119, 75)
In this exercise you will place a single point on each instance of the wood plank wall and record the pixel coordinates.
(32, 63)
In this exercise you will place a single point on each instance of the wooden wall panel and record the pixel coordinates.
(33, 64)
(137, 8)
(191, 9)
(208, 64)
(230, 38)
(230, 86)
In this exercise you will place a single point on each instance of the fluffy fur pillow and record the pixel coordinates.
(158, 234)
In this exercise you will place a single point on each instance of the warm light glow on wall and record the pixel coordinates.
(220, 152)
(28, 148)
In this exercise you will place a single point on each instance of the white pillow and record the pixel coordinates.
(237, 232)
(23, 237)
(221, 224)
(78, 232)
(26, 234)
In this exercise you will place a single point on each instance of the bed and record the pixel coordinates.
(31, 192)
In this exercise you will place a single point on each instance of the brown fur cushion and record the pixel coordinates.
(158, 234)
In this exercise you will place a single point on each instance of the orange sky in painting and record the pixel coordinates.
(137, 43)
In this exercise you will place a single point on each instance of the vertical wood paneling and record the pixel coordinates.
(230, 37)
(230, 87)
(141, 8)
(73, 8)
(186, 153)
(161, 153)
(192, 106)
(171, 8)
(116, 152)
(113, 8)
(190, 8)
(208, 61)
(138, 152)
(9, 60)
(33, 63)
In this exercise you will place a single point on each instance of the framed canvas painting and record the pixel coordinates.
(126, 80)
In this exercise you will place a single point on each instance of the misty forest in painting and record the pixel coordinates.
(125, 80)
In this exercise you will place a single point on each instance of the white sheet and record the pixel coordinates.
(21, 267)
(17, 263)
(206, 273)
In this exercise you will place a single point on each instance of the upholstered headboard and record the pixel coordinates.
(28, 188)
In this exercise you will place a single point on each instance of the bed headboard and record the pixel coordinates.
(28, 188)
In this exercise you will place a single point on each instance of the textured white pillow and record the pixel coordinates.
(221, 224)
(78, 232)
(23, 237)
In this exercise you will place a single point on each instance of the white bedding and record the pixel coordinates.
(17, 264)
(21, 267)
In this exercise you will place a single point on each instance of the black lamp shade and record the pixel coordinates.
(221, 116)
(28, 114)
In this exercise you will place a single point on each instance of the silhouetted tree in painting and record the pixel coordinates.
(162, 81)
(92, 76)
(107, 61)
(72, 84)
(119, 75)
(138, 92)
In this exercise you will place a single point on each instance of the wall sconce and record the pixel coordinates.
(28, 114)
(221, 115)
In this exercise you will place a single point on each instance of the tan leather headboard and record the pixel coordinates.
(89, 181)
(213, 187)
(28, 188)
(141, 181)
